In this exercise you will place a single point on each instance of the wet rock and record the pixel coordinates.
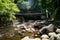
(21, 26)
(30, 29)
(52, 34)
(50, 27)
(16, 29)
(58, 37)
(47, 29)
(52, 38)
(43, 21)
(26, 26)
(45, 37)
(43, 31)
(39, 23)
(58, 31)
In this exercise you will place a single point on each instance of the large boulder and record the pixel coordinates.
(47, 29)
(43, 31)
(50, 27)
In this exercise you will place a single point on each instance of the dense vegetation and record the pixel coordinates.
(42, 5)
(7, 10)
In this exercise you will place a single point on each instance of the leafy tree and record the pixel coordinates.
(7, 10)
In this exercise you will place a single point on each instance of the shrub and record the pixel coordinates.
(7, 10)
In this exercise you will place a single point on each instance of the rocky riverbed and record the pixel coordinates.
(34, 30)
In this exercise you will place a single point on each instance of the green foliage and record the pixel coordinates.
(7, 10)
(19, 1)
(51, 6)
(37, 5)
(23, 4)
